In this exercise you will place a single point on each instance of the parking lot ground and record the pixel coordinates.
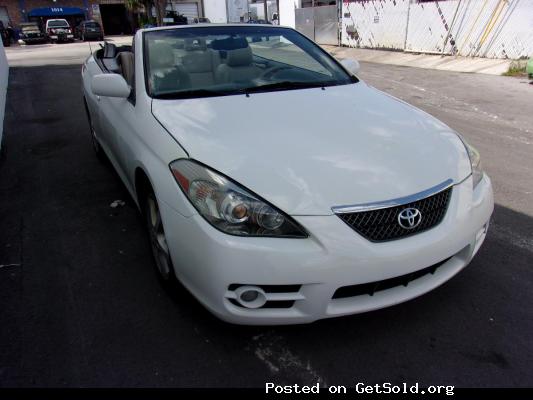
(81, 304)
(57, 53)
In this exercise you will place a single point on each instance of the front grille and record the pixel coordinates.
(382, 225)
(373, 287)
(268, 304)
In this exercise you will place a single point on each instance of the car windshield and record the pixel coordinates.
(58, 24)
(219, 61)
(92, 25)
(29, 27)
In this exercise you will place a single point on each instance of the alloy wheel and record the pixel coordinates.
(158, 240)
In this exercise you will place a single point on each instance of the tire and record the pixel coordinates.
(96, 144)
(158, 241)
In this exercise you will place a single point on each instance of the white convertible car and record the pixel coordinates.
(277, 186)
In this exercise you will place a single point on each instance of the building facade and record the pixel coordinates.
(113, 15)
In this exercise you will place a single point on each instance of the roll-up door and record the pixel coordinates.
(189, 10)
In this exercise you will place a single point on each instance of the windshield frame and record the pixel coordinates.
(351, 78)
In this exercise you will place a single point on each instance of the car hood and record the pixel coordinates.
(308, 150)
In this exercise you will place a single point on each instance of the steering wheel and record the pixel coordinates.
(268, 74)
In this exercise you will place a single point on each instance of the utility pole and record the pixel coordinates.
(266, 10)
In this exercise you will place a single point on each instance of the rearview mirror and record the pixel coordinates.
(351, 65)
(110, 85)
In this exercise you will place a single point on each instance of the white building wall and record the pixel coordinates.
(286, 12)
(216, 11)
(483, 28)
(237, 10)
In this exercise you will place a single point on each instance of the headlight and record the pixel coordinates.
(475, 161)
(228, 206)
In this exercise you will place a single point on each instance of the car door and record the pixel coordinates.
(118, 122)
(89, 69)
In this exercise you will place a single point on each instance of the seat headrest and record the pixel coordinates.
(239, 57)
(229, 43)
(198, 62)
(161, 55)
(126, 61)
(192, 44)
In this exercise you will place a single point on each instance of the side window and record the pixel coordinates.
(281, 50)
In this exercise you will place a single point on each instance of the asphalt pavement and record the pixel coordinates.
(80, 303)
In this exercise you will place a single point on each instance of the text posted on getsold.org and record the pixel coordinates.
(361, 388)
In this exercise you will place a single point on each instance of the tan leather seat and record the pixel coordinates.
(200, 62)
(165, 74)
(239, 67)
(125, 60)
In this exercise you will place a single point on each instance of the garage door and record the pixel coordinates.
(189, 10)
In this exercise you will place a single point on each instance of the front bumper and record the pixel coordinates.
(31, 40)
(62, 37)
(212, 264)
(93, 35)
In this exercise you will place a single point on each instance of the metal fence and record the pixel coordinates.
(320, 24)
(482, 28)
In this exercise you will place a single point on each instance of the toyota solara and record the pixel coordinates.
(277, 186)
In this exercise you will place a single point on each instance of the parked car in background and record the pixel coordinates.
(198, 20)
(31, 33)
(59, 30)
(174, 18)
(270, 222)
(259, 21)
(529, 68)
(89, 30)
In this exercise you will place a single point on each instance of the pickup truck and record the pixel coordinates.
(59, 30)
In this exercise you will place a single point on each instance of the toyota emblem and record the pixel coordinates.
(409, 218)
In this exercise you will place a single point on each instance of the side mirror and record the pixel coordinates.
(351, 65)
(110, 85)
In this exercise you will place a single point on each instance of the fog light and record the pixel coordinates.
(250, 296)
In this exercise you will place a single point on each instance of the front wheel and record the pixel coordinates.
(96, 144)
(158, 240)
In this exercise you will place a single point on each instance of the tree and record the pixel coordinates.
(132, 5)
(160, 5)
(160, 10)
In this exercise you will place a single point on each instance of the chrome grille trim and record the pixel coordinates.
(381, 224)
(394, 202)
